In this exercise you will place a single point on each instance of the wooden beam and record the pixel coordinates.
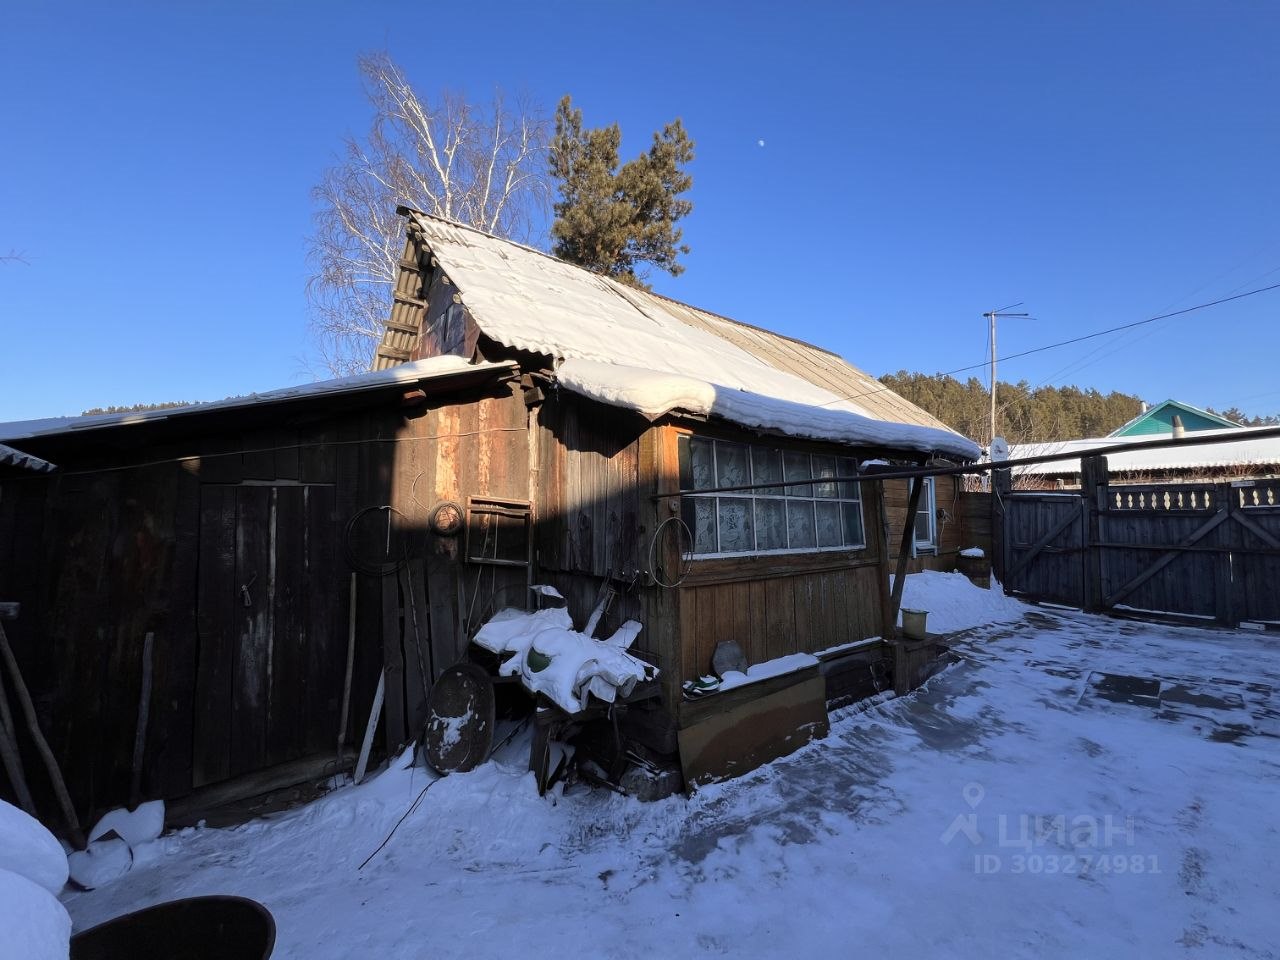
(1219, 518)
(1256, 529)
(1072, 516)
(904, 552)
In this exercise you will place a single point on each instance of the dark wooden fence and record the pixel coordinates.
(1194, 549)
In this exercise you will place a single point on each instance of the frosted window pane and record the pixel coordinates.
(853, 535)
(704, 525)
(701, 464)
(849, 488)
(731, 464)
(767, 465)
(771, 525)
(824, 467)
(829, 534)
(735, 525)
(796, 467)
(800, 524)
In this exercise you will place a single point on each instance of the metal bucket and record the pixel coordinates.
(199, 928)
(913, 624)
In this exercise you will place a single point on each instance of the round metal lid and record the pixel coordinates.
(458, 734)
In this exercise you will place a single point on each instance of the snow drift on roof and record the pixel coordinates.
(653, 393)
(531, 301)
(415, 372)
(1247, 451)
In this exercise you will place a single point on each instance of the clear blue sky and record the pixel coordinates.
(922, 163)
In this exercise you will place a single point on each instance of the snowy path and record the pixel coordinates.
(912, 827)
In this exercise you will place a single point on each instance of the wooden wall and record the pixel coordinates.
(158, 535)
(591, 511)
(777, 605)
(967, 522)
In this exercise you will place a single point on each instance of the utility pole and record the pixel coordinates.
(991, 317)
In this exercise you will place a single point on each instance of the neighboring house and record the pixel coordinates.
(1160, 420)
(528, 422)
(1247, 457)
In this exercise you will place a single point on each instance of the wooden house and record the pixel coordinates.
(1164, 417)
(527, 422)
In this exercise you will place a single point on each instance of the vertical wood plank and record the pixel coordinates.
(216, 617)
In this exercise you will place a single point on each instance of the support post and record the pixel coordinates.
(904, 552)
(1093, 485)
(1001, 488)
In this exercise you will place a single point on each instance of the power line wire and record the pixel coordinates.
(1080, 339)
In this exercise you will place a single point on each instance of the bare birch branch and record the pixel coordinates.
(482, 165)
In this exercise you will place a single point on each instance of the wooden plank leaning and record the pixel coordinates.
(42, 745)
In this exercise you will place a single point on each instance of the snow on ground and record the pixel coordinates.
(33, 868)
(954, 603)
(1016, 806)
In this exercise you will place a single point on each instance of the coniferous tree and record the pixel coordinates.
(612, 219)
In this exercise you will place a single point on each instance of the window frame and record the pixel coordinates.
(928, 505)
(685, 464)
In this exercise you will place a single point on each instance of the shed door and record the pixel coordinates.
(268, 615)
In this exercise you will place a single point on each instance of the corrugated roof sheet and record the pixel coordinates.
(10, 457)
(1247, 451)
(528, 300)
(417, 372)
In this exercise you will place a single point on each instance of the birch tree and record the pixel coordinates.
(479, 164)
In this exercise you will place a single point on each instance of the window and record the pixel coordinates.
(926, 534)
(810, 516)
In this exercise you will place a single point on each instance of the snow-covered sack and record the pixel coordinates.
(114, 842)
(552, 658)
(33, 868)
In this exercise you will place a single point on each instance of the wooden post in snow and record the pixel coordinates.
(1093, 484)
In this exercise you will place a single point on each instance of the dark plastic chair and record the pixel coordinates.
(199, 928)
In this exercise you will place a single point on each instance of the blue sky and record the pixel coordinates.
(922, 163)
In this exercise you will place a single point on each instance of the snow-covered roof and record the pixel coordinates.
(10, 457)
(1249, 450)
(528, 300)
(419, 371)
(653, 394)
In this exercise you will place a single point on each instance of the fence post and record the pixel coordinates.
(1093, 484)
(1224, 536)
(1001, 485)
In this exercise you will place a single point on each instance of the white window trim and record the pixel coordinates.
(755, 495)
(929, 504)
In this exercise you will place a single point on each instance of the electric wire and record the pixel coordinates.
(1065, 343)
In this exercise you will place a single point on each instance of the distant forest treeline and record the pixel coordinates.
(1027, 414)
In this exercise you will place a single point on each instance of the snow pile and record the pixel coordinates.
(769, 668)
(654, 393)
(553, 659)
(972, 552)
(954, 603)
(114, 844)
(27, 848)
(941, 808)
(33, 868)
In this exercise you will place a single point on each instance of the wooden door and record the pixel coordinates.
(268, 613)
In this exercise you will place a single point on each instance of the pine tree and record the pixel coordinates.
(615, 219)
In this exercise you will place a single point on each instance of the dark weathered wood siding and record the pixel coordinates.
(158, 533)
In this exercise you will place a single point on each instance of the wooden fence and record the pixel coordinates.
(1209, 550)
